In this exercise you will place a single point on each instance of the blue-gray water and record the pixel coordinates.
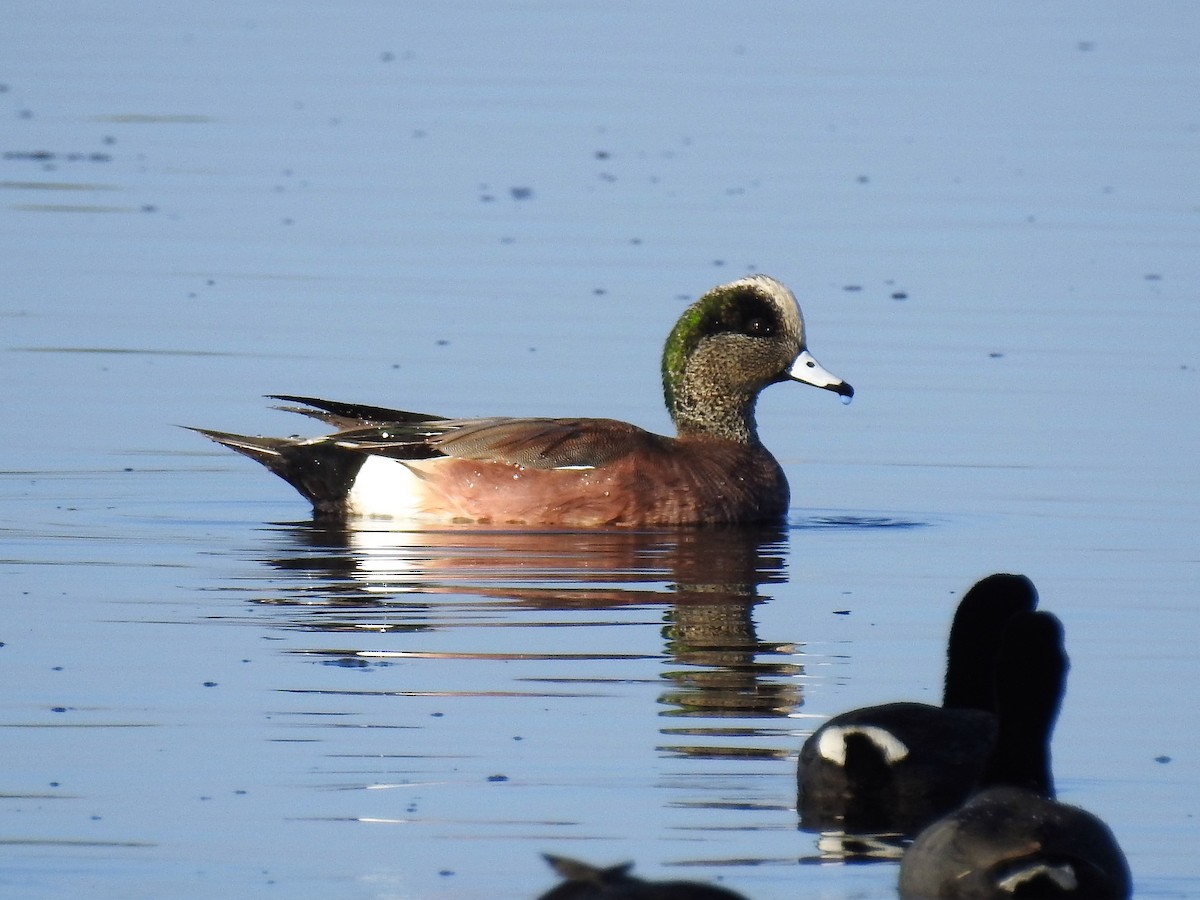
(991, 218)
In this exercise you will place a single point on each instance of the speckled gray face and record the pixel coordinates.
(727, 347)
(805, 368)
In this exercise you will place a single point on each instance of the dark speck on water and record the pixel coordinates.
(348, 662)
(35, 155)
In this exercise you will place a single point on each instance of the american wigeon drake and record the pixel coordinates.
(430, 470)
(898, 766)
(583, 881)
(1013, 839)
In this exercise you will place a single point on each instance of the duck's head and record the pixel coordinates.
(1031, 678)
(975, 637)
(729, 345)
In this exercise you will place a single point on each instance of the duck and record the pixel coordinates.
(1013, 838)
(583, 881)
(896, 767)
(424, 470)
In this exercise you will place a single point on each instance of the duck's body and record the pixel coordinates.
(427, 470)
(1013, 839)
(898, 766)
(552, 472)
(892, 768)
(1010, 842)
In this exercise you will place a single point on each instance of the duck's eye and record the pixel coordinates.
(759, 327)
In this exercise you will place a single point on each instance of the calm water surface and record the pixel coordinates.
(990, 218)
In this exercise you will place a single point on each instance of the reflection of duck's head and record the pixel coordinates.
(582, 881)
(898, 766)
(703, 581)
(1013, 839)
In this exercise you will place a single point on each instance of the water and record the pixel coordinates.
(990, 219)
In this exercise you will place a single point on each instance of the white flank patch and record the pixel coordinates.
(1062, 875)
(387, 488)
(832, 743)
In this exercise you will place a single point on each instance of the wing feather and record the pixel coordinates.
(532, 443)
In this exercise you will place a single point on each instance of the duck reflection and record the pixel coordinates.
(724, 669)
(703, 583)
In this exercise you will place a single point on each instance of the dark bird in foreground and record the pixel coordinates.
(1013, 839)
(895, 768)
(582, 881)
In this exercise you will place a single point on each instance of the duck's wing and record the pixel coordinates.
(531, 443)
(534, 443)
(344, 416)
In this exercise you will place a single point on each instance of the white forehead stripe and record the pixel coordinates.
(832, 743)
(781, 298)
